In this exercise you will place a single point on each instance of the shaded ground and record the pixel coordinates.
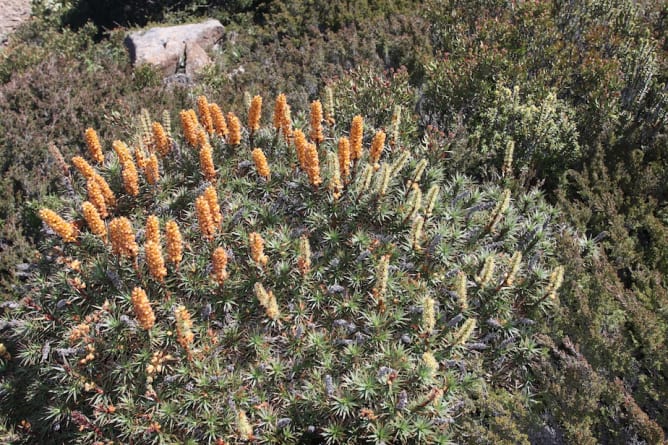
(12, 14)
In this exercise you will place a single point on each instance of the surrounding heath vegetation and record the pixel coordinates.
(365, 222)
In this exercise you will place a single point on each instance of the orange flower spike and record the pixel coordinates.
(94, 220)
(206, 223)
(280, 109)
(312, 164)
(140, 158)
(261, 164)
(206, 162)
(174, 242)
(316, 134)
(122, 237)
(94, 146)
(356, 136)
(122, 151)
(202, 137)
(377, 147)
(151, 170)
(219, 123)
(130, 178)
(254, 114)
(344, 158)
(66, 230)
(142, 309)
(301, 146)
(152, 229)
(189, 124)
(234, 126)
(160, 139)
(287, 125)
(214, 208)
(205, 114)
(155, 261)
(108, 194)
(96, 198)
(257, 248)
(219, 260)
(83, 167)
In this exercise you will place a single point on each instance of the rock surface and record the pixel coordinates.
(12, 14)
(167, 47)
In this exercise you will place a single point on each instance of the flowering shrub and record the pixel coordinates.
(309, 291)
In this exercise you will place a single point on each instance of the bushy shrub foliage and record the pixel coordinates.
(315, 291)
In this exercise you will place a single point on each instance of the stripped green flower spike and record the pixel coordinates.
(167, 123)
(396, 122)
(304, 259)
(498, 211)
(555, 282)
(486, 272)
(515, 262)
(399, 163)
(329, 106)
(428, 315)
(430, 200)
(464, 333)
(507, 169)
(413, 203)
(184, 334)
(382, 275)
(244, 427)
(335, 185)
(267, 301)
(417, 173)
(430, 363)
(416, 233)
(383, 179)
(364, 180)
(460, 288)
(376, 149)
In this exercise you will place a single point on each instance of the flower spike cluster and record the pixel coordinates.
(94, 146)
(261, 164)
(212, 199)
(96, 198)
(160, 139)
(257, 248)
(174, 243)
(94, 220)
(142, 309)
(205, 114)
(254, 114)
(356, 136)
(219, 261)
(123, 238)
(344, 158)
(206, 162)
(316, 133)
(219, 124)
(206, 224)
(190, 125)
(282, 119)
(234, 127)
(66, 230)
(155, 261)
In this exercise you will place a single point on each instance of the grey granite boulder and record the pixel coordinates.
(166, 47)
